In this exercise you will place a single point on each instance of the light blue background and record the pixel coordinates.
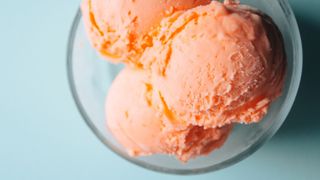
(42, 135)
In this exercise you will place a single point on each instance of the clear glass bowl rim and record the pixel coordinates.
(293, 89)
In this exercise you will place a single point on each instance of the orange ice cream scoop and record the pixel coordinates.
(129, 115)
(217, 64)
(137, 125)
(119, 29)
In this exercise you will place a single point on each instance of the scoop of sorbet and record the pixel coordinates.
(119, 29)
(217, 64)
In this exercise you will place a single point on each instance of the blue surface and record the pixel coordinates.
(42, 135)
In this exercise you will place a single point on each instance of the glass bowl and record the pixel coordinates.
(90, 78)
